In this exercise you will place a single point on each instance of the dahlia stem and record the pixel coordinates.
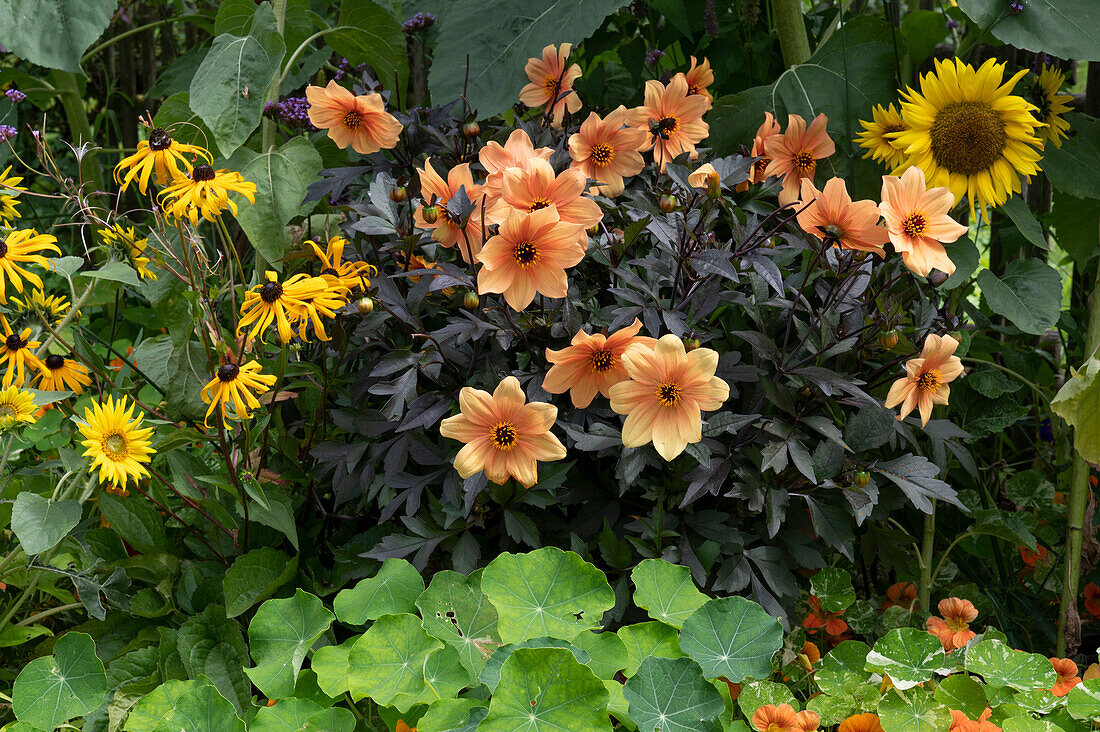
(791, 28)
(924, 588)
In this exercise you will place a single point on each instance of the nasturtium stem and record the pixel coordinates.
(924, 589)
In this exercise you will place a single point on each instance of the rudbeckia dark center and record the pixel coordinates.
(968, 137)
(330, 271)
(54, 362)
(159, 139)
(202, 173)
(228, 372)
(14, 342)
(3, 249)
(271, 291)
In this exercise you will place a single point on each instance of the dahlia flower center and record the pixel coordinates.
(503, 436)
(968, 137)
(202, 173)
(666, 127)
(669, 393)
(693, 89)
(54, 362)
(760, 165)
(914, 224)
(602, 154)
(271, 291)
(525, 253)
(550, 84)
(538, 203)
(929, 380)
(446, 215)
(14, 342)
(603, 360)
(228, 372)
(159, 139)
(352, 120)
(805, 163)
(114, 445)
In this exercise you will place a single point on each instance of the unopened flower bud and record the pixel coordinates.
(937, 278)
(888, 339)
(668, 203)
(430, 213)
(398, 194)
(365, 305)
(714, 184)
(470, 300)
(471, 129)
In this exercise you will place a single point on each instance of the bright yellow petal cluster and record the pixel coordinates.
(133, 248)
(238, 385)
(205, 192)
(116, 442)
(159, 157)
(298, 301)
(18, 249)
(16, 407)
(17, 352)
(9, 196)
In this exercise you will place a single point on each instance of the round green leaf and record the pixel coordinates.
(607, 651)
(387, 662)
(758, 693)
(732, 637)
(54, 689)
(547, 592)
(331, 666)
(671, 695)
(451, 714)
(666, 591)
(912, 713)
(201, 709)
(40, 524)
(909, 655)
(288, 715)
(843, 666)
(963, 693)
(280, 635)
(393, 590)
(1083, 701)
(54, 33)
(151, 708)
(444, 677)
(643, 640)
(490, 675)
(457, 612)
(833, 586)
(547, 690)
(1002, 666)
(254, 577)
(1028, 724)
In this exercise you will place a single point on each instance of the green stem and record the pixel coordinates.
(924, 589)
(68, 92)
(300, 50)
(134, 31)
(47, 613)
(791, 28)
(272, 93)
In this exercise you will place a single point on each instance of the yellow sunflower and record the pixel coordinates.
(282, 302)
(8, 196)
(205, 191)
(62, 374)
(874, 136)
(19, 247)
(349, 275)
(16, 405)
(160, 156)
(1042, 91)
(236, 384)
(52, 306)
(127, 242)
(17, 351)
(117, 443)
(969, 134)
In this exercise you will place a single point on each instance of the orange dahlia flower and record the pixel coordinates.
(832, 216)
(447, 229)
(699, 76)
(705, 176)
(794, 154)
(537, 187)
(552, 82)
(1067, 676)
(592, 364)
(606, 151)
(901, 593)
(360, 121)
(769, 129)
(918, 223)
(504, 435)
(926, 378)
(953, 629)
(861, 723)
(776, 718)
(514, 153)
(530, 255)
(673, 119)
(668, 391)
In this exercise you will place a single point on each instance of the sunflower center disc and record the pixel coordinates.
(115, 445)
(968, 137)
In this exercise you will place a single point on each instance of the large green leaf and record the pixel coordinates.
(1077, 226)
(449, 715)
(963, 693)
(1084, 700)
(444, 677)
(53, 33)
(175, 114)
(1002, 666)
(136, 521)
(53, 689)
(1072, 167)
(1029, 294)
(497, 51)
(912, 713)
(671, 695)
(392, 590)
(547, 690)
(833, 586)
(756, 694)
(227, 91)
(211, 645)
(39, 523)
(732, 637)
(387, 662)
(547, 592)
(908, 655)
(281, 177)
(457, 612)
(280, 635)
(331, 666)
(666, 591)
(643, 640)
(371, 34)
(1078, 402)
(490, 675)
(146, 714)
(1063, 28)
(201, 709)
(255, 576)
(842, 666)
(608, 654)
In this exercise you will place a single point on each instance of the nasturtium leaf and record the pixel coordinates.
(666, 591)
(392, 590)
(963, 693)
(280, 635)
(908, 655)
(1028, 724)
(607, 650)
(254, 577)
(1029, 294)
(1078, 402)
(912, 713)
(444, 677)
(830, 709)
(732, 637)
(331, 666)
(1083, 701)
(1039, 701)
(288, 715)
(671, 695)
(54, 33)
(446, 715)
(756, 694)
(490, 675)
(146, 714)
(333, 719)
(201, 709)
(455, 610)
(547, 690)
(40, 523)
(1001, 665)
(53, 689)
(643, 640)
(1063, 28)
(387, 662)
(833, 586)
(547, 592)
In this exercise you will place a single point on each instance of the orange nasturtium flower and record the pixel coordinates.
(818, 617)
(591, 364)
(537, 187)
(699, 76)
(668, 390)
(926, 378)
(402, 727)
(360, 121)
(1092, 599)
(672, 118)
(953, 629)
(1031, 558)
(1067, 676)
(447, 228)
(962, 723)
(514, 153)
(918, 221)
(811, 652)
(795, 154)
(529, 256)
(832, 216)
(776, 718)
(504, 435)
(861, 723)
(901, 593)
(552, 82)
(808, 721)
(606, 151)
(769, 129)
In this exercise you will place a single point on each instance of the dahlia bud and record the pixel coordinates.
(937, 278)
(690, 344)
(365, 305)
(471, 129)
(470, 300)
(888, 339)
(861, 478)
(430, 213)
(668, 203)
(399, 194)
